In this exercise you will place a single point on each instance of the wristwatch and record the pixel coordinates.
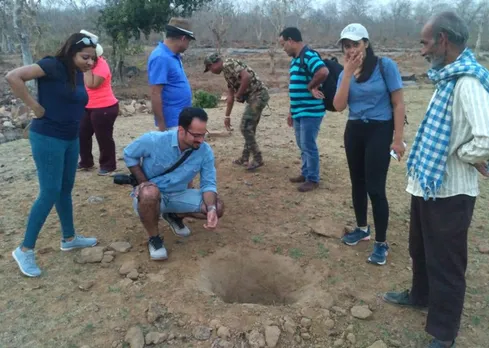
(211, 208)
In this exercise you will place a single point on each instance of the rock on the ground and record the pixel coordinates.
(272, 335)
(155, 312)
(223, 332)
(338, 310)
(92, 255)
(85, 286)
(214, 324)
(133, 275)
(339, 343)
(289, 325)
(379, 344)
(361, 312)
(135, 337)
(306, 336)
(202, 333)
(351, 338)
(107, 258)
(120, 247)
(484, 249)
(394, 343)
(127, 267)
(220, 343)
(329, 324)
(155, 338)
(255, 339)
(306, 322)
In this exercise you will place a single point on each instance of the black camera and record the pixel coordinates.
(124, 179)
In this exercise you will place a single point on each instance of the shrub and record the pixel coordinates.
(205, 100)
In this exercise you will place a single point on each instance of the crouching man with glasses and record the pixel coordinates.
(163, 163)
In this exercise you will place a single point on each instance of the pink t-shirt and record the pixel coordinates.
(103, 96)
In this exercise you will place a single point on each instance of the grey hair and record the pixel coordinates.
(453, 26)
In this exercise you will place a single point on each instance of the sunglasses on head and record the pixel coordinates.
(88, 41)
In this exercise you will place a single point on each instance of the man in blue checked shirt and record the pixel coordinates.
(149, 156)
(306, 104)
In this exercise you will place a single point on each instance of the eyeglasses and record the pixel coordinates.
(88, 41)
(196, 135)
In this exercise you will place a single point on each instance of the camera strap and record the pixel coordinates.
(179, 162)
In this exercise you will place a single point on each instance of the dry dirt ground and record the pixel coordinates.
(264, 274)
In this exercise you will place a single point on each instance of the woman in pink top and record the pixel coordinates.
(100, 114)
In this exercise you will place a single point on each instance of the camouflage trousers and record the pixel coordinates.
(251, 117)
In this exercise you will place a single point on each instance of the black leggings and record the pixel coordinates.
(367, 146)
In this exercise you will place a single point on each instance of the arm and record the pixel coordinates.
(397, 99)
(208, 180)
(92, 80)
(475, 99)
(133, 153)
(319, 77)
(157, 106)
(17, 79)
(245, 78)
(229, 101)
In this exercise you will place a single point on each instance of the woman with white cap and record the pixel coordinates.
(371, 88)
(100, 115)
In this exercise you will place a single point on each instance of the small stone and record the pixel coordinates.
(220, 343)
(338, 310)
(306, 322)
(92, 255)
(115, 344)
(85, 286)
(124, 283)
(379, 344)
(349, 328)
(155, 312)
(223, 332)
(351, 338)
(214, 324)
(155, 338)
(339, 343)
(107, 258)
(484, 249)
(298, 339)
(310, 313)
(255, 339)
(202, 333)
(85, 346)
(272, 335)
(394, 343)
(306, 336)
(133, 275)
(120, 247)
(95, 200)
(135, 337)
(127, 267)
(289, 325)
(109, 252)
(171, 336)
(329, 324)
(361, 312)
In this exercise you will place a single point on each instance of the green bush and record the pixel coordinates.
(205, 100)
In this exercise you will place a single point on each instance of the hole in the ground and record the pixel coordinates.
(252, 276)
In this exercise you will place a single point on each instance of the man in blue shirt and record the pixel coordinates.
(306, 104)
(149, 156)
(170, 89)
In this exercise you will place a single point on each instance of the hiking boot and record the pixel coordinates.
(177, 225)
(379, 255)
(308, 186)
(298, 179)
(157, 250)
(440, 344)
(356, 236)
(403, 299)
(26, 261)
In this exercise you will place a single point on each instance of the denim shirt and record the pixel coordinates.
(157, 151)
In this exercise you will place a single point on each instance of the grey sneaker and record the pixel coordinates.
(440, 344)
(177, 225)
(79, 242)
(26, 261)
(403, 299)
(157, 250)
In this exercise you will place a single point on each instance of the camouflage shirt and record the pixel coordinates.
(231, 70)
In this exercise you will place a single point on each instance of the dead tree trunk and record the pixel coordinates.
(23, 37)
(272, 52)
(478, 43)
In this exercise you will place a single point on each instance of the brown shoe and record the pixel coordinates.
(298, 179)
(308, 186)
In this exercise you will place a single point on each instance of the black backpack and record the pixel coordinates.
(328, 87)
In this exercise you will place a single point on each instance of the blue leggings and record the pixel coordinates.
(56, 162)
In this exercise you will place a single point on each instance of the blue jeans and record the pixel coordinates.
(56, 162)
(306, 132)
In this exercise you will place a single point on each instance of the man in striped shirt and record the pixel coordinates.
(306, 103)
(452, 141)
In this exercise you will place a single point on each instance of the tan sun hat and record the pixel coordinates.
(181, 26)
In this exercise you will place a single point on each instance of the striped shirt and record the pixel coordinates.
(469, 141)
(302, 102)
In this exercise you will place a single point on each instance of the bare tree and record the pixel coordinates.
(222, 15)
(276, 13)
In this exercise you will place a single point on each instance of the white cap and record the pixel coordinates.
(354, 32)
(98, 49)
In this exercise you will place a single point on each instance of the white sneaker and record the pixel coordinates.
(157, 250)
(177, 225)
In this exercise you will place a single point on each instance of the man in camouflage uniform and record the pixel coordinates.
(243, 86)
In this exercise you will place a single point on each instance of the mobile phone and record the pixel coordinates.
(394, 155)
